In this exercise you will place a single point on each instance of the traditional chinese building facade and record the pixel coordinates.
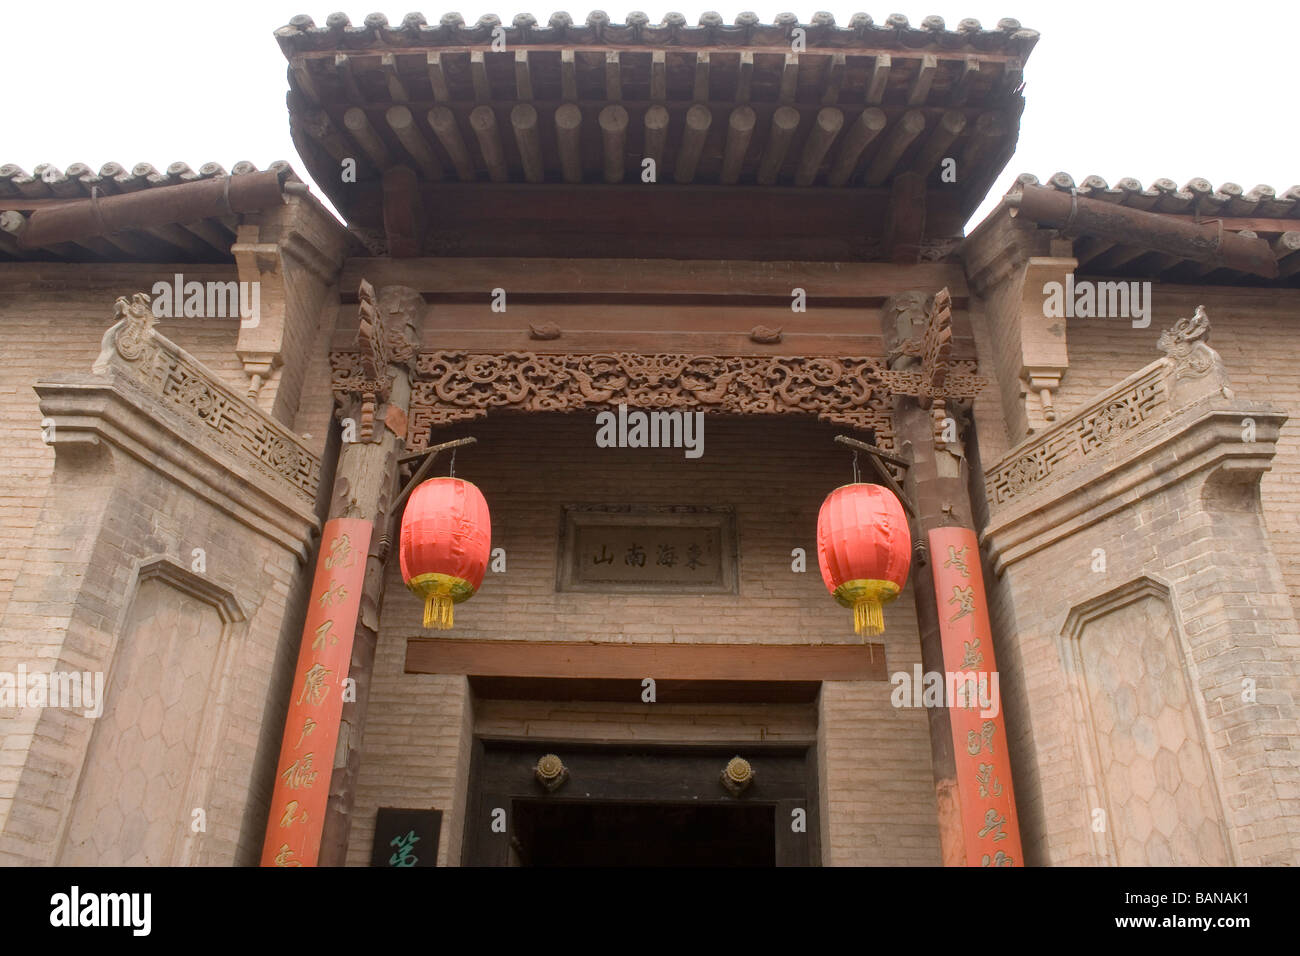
(633, 281)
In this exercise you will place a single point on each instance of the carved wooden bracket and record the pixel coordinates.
(385, 337)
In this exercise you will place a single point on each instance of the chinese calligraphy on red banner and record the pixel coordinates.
(311, 728)
(988, 804)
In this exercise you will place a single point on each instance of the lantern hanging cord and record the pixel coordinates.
(451, 471)
(857, 476)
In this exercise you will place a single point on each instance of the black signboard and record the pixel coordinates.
(406, 837)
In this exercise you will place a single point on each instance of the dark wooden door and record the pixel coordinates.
(640, 805)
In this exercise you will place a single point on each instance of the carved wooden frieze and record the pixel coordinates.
(452, 386)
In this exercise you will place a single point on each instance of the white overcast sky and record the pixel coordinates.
(1138, 88)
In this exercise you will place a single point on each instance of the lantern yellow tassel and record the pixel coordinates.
(868, 617)
(866, 597)
(438, 611)
(440, 592)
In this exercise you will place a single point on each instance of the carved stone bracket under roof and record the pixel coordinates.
(453, 386)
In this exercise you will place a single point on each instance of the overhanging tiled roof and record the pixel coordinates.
(302, 35)
(1196, 197)
(570, 108)
(1271, 221)
(208, 239)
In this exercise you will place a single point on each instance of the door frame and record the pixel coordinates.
(785, 778)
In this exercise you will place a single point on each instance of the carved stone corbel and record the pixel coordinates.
(1043, 382)
(293, 252)
(1044, 357)
(131, 334)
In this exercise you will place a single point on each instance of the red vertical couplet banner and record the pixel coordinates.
(988, 805)
(311, 729)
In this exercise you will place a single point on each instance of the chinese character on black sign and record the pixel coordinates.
(406, 838)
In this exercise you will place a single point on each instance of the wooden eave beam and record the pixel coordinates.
(357, 123)
(613, 122)
(483, 121)
(860, 135)
(402, 123)
(396, 88)
(159, 210)
(879, 81)
(568, 139)
(1204, 243)
(523, 76)
(661, 277)
(402, 212)
(898, 137)
(905, 229)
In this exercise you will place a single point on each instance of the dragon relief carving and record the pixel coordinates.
(136, 320)
(1188, 349)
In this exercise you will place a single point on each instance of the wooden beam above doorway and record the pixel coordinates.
(582, 660)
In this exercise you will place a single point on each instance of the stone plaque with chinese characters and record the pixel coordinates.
(677, 548)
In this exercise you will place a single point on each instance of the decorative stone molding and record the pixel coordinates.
(1205, 436)
(1171, 704)
(149, 364)
(1190, 371)
(200, 587)
(460, 386)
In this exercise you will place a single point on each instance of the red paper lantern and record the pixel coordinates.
(445, 542)
(864, 550)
